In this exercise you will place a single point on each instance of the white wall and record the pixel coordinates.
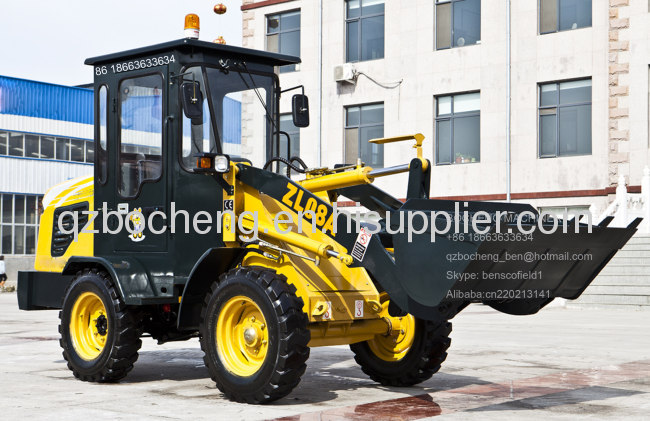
(410, 55)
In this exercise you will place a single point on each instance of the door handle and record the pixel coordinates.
(148, 210)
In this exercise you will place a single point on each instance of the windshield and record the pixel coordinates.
(235, 99)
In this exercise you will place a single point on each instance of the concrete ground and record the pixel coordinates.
(559, 364)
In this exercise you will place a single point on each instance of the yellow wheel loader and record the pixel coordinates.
(192, 226)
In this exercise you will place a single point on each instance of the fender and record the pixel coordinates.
(206, 271)
(134, 284)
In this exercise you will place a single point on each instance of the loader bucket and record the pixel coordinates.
(513, 272)
(435, 276)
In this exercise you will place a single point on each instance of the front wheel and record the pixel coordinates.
(408, 358)
(99, 334)
(254, 335)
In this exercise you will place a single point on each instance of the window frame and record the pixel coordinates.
(163, 110)
(359, 44)
(289, 133)
(273, 139)
(299, 30)
(451, 25)
(9, 147)
(5, 135)
(557, 19)
(450, 117)
(25, 224)
(98, 147)
(359, 126)
(40, 146)
(557, 107)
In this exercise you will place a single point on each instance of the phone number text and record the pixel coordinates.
(144, 63)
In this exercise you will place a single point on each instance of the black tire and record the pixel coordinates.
(122, 341)
(423, 360)
(288, 336)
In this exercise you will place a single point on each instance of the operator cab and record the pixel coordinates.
(163, 115)
(206, 87)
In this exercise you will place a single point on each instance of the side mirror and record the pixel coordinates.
(300, 110)
(193, 102)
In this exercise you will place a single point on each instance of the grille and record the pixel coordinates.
(61, 241)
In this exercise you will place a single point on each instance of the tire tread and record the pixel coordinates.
(127, 343)
(294, 334)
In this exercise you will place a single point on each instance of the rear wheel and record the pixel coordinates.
(99, 335)
(254, 335)
(408, 358)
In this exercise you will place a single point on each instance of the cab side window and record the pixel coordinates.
(102, 135)
(141, 133)
(198, 136)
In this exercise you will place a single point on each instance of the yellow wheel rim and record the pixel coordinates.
(394, 347)
(89, 326)
(242, 336)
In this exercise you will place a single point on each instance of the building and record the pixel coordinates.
(541, 101)
(46, 134)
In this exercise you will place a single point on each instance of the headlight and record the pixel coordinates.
(222, 163)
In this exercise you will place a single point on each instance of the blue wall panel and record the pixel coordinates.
(65, 103)
(44, 100)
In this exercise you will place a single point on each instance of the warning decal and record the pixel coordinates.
(361, 245)
(358, 308)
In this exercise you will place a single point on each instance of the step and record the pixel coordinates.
(633, 253)
(599, 289)
(623, 307)
(638, 242)
(618, 280)
(631, 261)
(639, 300)
(640, 239)
(615, 269)
(637, 247)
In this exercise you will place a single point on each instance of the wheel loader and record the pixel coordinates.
(192, 226)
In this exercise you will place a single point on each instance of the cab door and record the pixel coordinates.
(141, 174)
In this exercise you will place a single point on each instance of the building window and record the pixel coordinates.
(563, 15)
(62, 149)
(458, 23)
(16, 147)
(364, 24)
(19, 223)
(287, 126)
(565, 118)
(32, 146)
(3, 143)
(283, 36)
(29, 145)
(47, 147)
(458, 124)
(77, 148)
(363, 123)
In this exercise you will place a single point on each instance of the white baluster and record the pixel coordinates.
(621, 198)
(645, 197)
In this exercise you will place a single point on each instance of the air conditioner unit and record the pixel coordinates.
(344, 73)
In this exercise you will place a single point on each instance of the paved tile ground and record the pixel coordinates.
(559, 364)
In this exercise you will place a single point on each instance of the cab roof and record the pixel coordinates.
(195, 46)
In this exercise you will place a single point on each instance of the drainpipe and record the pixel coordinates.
(508, 110)
(320, 83)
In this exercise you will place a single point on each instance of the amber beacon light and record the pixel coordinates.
(192, 26)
